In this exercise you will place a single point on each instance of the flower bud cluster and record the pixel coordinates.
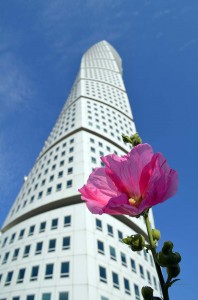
(136, 242)
(169, 259)
(133, 139)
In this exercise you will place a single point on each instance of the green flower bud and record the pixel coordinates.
(136, 242)
(173, 271)
(166, 257)
(167, 247)
(156, 234)
(135, 139)
(162, 259)
(147, 293)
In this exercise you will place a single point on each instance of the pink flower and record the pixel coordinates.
(130, 184)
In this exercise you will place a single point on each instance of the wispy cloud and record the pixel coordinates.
(15, 89)
(188, 44)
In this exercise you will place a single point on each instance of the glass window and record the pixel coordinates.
(99, 224)
(21, 276)
(60, 174)
(69, 171)
(49, 190)
(100, 247)
(104, 298)
(52, 245)
(34, 273)
(12, 238)
(4, 242)
(32, 199)
(54, 224)
(137, 292)
(21, 234)
(16, 298)
(123, 259)
(9, 278)
(71, 141)
(42, 227)
(58, 187)
(148, 276)
(30, 297)
(115, 280)
(39, 247)
(155, 282)
(15, 254)
(102, 274)
(145, 255)
(26, 251)
(31, 230)
(63, 296)
(70, 159)
(54, 167)
(64, 269)
(133, 265)
(112, 252)
(141, 271)
(110, 230)
(49, 271)
(127, 286)
(151, 260)
(120, 235)
(5, 257)
(51, 178)
(66, 243)
(46, 296)
(61, 163)
(69, 184)
(67, 221)
(93, 160)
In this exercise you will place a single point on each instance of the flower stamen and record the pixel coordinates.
(135, 201)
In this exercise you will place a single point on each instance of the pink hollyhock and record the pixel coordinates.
(130, 184)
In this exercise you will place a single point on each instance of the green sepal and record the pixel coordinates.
(173, 281)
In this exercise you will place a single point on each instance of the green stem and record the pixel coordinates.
(154, 253)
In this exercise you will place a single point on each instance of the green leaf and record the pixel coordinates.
(173, 281)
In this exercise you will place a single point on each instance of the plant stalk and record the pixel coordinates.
(154, 253)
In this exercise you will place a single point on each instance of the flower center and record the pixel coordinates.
(135, 201)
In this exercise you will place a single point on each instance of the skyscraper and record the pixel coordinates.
(52, 247)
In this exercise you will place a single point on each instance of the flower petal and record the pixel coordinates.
(163, 181)
(98, 190)
(126, 171)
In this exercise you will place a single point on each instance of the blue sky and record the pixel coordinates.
(41, 46)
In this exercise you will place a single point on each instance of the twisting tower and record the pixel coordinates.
(52, 248)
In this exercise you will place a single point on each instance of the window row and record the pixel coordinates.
(35, 274)
(38, 249)
(116, 282)
(42, 227)
(110, 232)
(45, 296)
(27, 193)
(123, 259)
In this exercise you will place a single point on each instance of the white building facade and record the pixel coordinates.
(52, 247)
